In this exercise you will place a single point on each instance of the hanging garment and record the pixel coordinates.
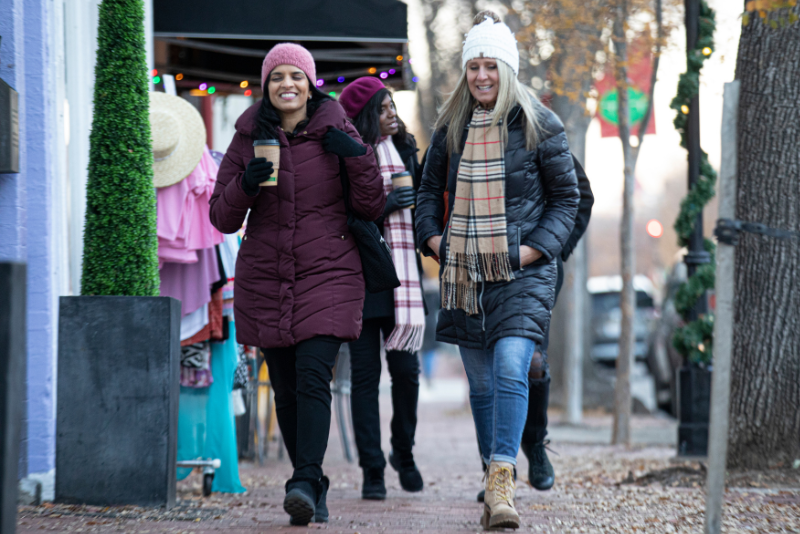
(190, 283)
(242, 374)
(194, 322)
(206, 424)
(215, 316)
(228, 251)
(183, 223)
(196, 366)
(196, 356)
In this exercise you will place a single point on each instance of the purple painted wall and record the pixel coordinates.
(12, 186)
(40, 175)
(13, 203)
(26, 210)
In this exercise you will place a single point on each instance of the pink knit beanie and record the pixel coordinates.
(356, 95)
(288, 54)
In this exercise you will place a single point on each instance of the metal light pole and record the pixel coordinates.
(694, 384)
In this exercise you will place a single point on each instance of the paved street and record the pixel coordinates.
(586, 498)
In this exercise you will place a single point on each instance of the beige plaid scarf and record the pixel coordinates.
(398, 230)
(477, 246)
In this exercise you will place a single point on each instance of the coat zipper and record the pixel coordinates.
(519, 247)
(480, 303)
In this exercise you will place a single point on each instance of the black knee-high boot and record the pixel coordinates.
(540, 470)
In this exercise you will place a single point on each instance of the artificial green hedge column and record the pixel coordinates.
(120, 246)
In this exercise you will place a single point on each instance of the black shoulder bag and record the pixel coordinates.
(376, 256)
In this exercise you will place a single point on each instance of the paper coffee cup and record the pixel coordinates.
(271, 150)
(402, 179)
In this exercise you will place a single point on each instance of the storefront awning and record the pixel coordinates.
(382, 21)
(224, 41)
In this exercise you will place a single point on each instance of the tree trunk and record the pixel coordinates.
(622, 394)
(765, 381)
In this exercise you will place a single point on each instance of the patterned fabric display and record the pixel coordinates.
(242, 374)
(398, 230)
(477, 244)
(196, 365)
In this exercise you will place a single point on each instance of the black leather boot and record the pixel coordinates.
(410, 477)
(374, 486)
(540, 471)
(300, 501)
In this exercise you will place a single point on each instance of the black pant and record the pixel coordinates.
(539, 388)
(301, 377)
(365, 361)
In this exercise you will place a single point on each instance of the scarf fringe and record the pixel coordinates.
(406, 338)
(462, 294)
(496, 267)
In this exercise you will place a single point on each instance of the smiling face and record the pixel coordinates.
(288, 88)
(483, 80)
(388, 117)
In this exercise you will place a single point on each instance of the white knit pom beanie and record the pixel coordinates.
(491, 39)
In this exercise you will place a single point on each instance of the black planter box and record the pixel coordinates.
(694, 390)
(12, 386)
(117, 411)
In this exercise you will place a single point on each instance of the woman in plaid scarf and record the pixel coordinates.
(499, 165)
(397, 314)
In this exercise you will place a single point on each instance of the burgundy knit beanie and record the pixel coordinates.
(288, 54)
(356, 95)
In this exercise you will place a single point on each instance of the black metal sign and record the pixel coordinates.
(9, 129)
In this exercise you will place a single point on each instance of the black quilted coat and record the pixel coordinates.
(541, 204)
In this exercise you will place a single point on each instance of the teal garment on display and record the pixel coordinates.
(206, 424)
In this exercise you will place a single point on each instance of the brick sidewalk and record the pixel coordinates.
(586, 498)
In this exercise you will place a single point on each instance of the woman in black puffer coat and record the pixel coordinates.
(512, 202)
(541, 202)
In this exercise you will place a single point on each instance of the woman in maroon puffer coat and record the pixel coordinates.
(299, 284)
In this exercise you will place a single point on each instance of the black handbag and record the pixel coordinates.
(376, 256)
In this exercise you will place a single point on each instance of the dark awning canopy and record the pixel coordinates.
(224, 41)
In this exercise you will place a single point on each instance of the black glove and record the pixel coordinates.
(258, 170)
(341, 144)
(399, 199)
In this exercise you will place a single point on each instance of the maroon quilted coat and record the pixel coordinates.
(298, 274)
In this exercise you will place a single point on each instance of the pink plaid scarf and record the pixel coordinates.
(399, 234)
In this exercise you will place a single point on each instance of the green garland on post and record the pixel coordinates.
(694, 339)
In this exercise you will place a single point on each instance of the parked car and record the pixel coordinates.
(605, 292)
(664, 360)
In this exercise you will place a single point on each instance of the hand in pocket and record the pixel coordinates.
(527, 255)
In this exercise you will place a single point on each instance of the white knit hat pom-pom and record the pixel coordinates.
(491, 39)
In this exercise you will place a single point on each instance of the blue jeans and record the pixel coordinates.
(498, 394)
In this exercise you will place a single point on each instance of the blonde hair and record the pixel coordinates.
(457, 110)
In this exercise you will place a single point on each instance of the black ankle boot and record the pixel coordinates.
(321, 511)
(300, 501)
(410, 477)
(320, 507)
(540, 471)
(374, 486)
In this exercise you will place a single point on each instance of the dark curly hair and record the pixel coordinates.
(368, 121)
(268, 119)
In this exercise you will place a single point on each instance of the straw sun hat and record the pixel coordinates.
(179, 136)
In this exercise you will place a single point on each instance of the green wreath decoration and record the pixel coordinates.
(694, 340)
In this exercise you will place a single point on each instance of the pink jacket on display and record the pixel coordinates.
(183, 225)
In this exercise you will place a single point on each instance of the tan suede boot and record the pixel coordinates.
(499, 511)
